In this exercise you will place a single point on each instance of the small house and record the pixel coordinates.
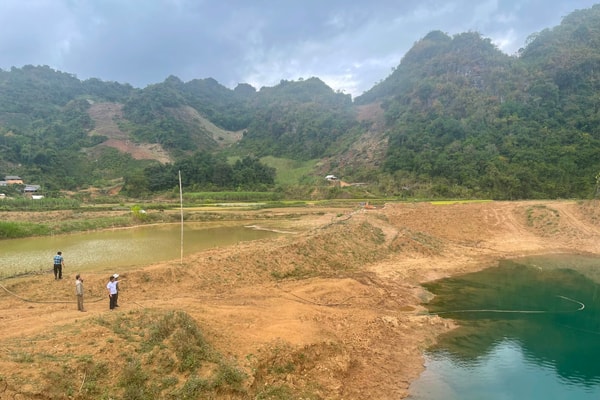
(13, 180)
(31, 188)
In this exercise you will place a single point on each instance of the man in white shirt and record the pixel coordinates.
(111, 286)
(117, 287)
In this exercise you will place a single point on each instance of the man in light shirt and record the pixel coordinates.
(59, 263)
(111, 286)
(79, 292)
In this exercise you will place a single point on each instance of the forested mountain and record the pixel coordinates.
(476, 122)
(299, 120)
(460, 119)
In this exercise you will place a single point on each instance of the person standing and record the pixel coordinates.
(59, 263)
(111, 286)
(79, 292)
(116, 276)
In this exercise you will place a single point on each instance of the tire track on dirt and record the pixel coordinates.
(576, 221)
(506, 222)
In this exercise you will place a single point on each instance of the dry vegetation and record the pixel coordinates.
(333, 312)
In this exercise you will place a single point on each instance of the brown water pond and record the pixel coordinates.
(120, 249)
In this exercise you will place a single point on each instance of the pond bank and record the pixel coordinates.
(331, 312)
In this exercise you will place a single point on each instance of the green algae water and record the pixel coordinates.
(120, 248)
(529, 329)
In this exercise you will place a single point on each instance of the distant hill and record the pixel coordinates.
(475, 122)
(456, 118)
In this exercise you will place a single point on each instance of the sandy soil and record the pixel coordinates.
(344, 291)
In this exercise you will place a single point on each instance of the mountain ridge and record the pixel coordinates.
(456, 118)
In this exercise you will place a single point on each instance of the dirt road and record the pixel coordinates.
(331, 312)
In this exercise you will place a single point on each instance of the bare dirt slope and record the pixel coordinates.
(105, 117)
(341, 300)
(370, 147)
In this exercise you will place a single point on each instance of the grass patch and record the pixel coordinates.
(26, 204)
(77, 223)
(542, 217)
(276, 392)
(22, 357)
(241, 196)
(172, 344)
(290, 172)
(145, 354)
(296, 273)
(447, 202)
(14, 230)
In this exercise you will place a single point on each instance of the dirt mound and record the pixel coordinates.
(330, 312)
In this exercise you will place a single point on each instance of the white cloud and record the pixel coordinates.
(349, 45)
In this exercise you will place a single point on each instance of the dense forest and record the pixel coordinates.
(461, 119)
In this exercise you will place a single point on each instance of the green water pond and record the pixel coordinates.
(529, 329)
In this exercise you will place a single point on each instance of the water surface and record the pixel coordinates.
(530, 329)
(120, 248)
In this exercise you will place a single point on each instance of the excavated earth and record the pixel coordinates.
(340, 298)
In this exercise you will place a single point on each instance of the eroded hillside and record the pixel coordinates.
(105, 117)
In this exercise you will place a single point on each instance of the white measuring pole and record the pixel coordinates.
(181, 211)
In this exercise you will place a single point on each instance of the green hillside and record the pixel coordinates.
(457, 118)
(475, 122)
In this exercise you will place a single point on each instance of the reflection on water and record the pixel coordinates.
(119, 248)
(530, 329)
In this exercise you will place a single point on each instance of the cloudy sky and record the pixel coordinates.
(349, 44)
